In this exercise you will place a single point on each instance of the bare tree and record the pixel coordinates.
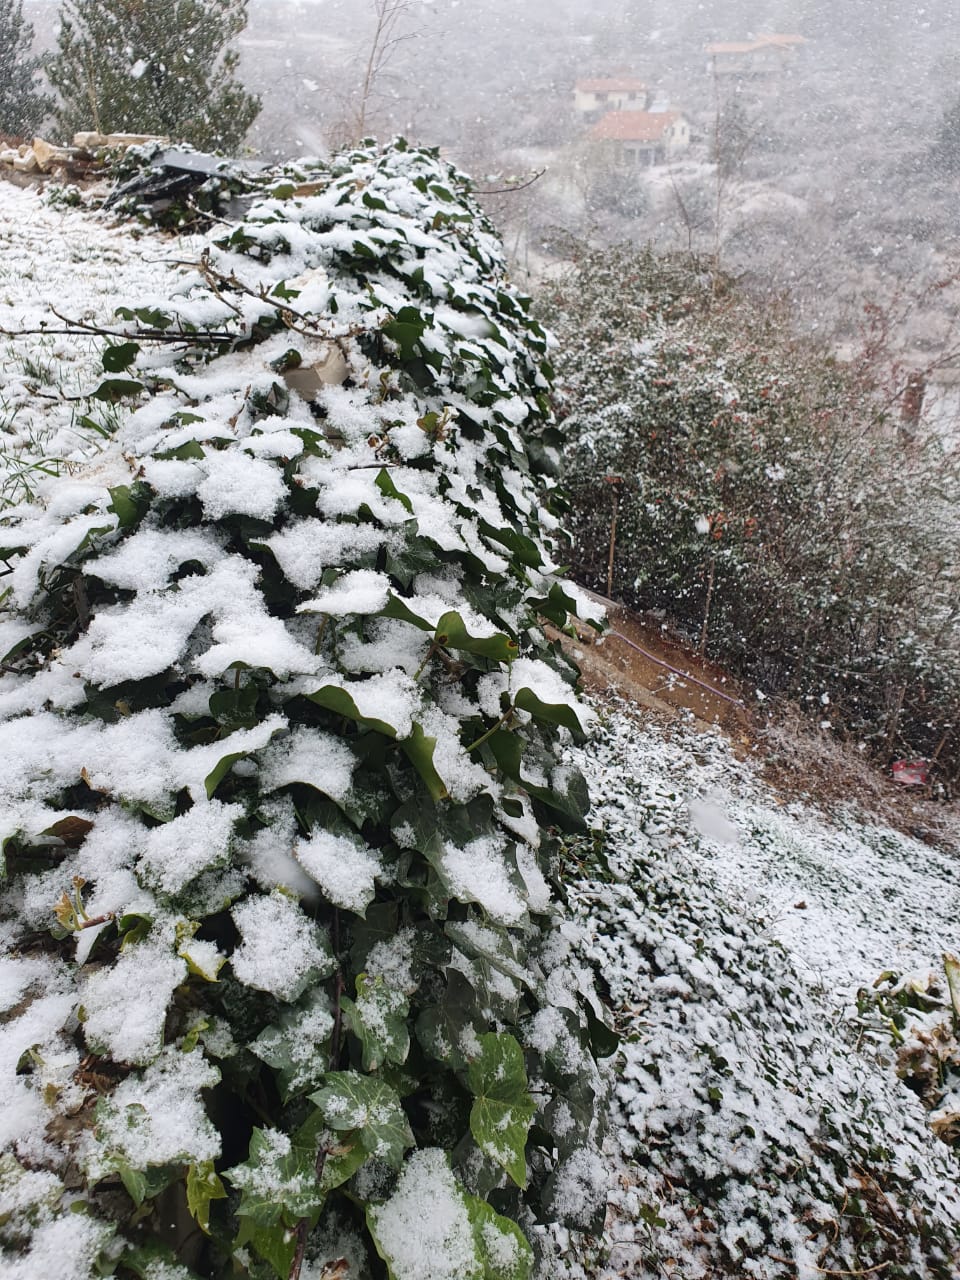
(388, 35)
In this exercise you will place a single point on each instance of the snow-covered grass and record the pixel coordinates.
(763, 1133)
(55, 259)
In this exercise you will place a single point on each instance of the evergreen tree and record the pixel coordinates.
(22, 106)
(128, 66)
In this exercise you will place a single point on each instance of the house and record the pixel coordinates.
(761, 57)
(642, 137)
(591, 98)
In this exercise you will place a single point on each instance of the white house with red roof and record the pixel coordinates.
(762, 56)
(613, 93)
(642, 137)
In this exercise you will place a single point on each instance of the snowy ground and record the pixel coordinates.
(758, 1130)
(55, 259)
(762, 1125)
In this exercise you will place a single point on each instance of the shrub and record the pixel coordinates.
(765, 498)
(163, 68)
(284, 977)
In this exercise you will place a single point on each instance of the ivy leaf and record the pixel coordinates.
(298, 1048)
(406, 330)
(128, 503)
(335, 698)
(113, 389)
(385, 484)
(152, 318)
(502, 1248)
(120, 356)
(276, 1244)
(369, 1110)
(278, 1180)
(464, 1236)
(220, 771)
(442, 1028)
(342, 1161)
(378, 1019)
(452, 633)
(235, 708)
(492, 944)
(203, 1187)
(502, 1110)
(144, 1259)
(397, 607)
(552, 712)
(419, 750)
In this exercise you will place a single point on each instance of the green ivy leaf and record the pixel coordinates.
(378, 1018)
(144, 1259)
(385, 484)
(553, 712)
(220, 771)
(152, 318)
(298, 1047)
(419, 750)
(443, 1027)
(128, 503)
(119, 357)
(112, 390)
(452, 633)
(369, 1110)
(278, 1180)
(502, 1248)
(406, 330)
(337, 699)
(235, 708)
(502, 1110)
(203, 1187)
(275, 1243)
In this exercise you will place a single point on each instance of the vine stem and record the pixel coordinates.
(423, 665)
(337, 993)
(303, 1226)
(490, 732)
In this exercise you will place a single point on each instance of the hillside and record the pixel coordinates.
(736, 930)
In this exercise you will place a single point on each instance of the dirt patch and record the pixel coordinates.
(640, 660)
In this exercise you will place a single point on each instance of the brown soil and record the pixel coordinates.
(639, 660)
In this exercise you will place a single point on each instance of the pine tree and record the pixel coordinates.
(129, 66)
(22, 105)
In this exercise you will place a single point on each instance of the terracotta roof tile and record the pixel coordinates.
(633, 126)
(617, 84)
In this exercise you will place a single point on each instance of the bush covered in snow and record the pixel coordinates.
(281, 984)
(765, 498)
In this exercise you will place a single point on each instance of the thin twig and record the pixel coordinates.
(516, 186)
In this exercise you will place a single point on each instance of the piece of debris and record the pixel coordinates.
(911, 773)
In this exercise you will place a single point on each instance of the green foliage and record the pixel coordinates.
(765, 498)
(22, 104)
(307, 780)
(159, 68)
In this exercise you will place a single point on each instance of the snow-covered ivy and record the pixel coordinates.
(282, 983)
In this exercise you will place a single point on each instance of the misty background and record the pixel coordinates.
(828, 180)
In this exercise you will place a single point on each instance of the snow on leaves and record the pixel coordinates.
(268, 656)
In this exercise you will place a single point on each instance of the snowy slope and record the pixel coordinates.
(764, 1130)
(758, 1131)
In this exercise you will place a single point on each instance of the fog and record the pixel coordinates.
(837, 180)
